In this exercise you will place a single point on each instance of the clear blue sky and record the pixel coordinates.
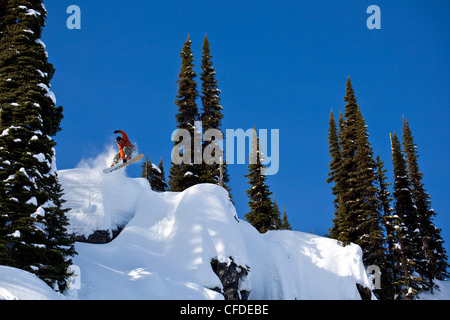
(280, 64)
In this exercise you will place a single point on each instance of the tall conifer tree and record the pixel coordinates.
(212, 110)
(277, 215)
(353, 170)
(154, 174)
(185, 175)
(405, 224)
(387, 291)
(262, 214)
(32, 221)
(333, 175)
(285, 225)
(433, 261)
(162, 185)
(211, 117)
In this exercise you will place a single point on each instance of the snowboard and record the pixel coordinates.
(120, 166)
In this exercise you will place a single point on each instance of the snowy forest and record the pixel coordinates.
(380, 221)
(395, 231)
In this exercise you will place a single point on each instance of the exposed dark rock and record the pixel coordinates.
(364, 292)
(230, 274)
(99, 236)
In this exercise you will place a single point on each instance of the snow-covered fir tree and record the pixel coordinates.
(32, 222)
(262, 214)
(211, 118)
(285, 225)
(387, 291)
(276, 214)
(281, 221)
(404, 220)
(154, 174)
(432, 263)
(160, 182)
(352, 170)
(334, 174)
(185, 175)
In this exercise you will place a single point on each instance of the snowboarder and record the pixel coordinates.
(126, 149)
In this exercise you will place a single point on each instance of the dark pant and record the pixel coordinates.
(128, 151)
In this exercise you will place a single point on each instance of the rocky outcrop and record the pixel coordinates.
(364, 292)
(230, 275)
(99, 236)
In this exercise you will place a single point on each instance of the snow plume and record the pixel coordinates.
(100, 162)
(96, 199)
(104, 159)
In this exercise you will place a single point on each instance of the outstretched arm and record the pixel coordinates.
(124, 135)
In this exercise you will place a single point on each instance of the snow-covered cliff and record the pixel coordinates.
(168, 241)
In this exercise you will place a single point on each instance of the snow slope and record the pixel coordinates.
(16, 284)
(168, 240)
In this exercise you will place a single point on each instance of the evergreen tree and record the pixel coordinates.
(212, 110)
(280, 222)
(161, 183)
(261, 215)
(353, 171)
(387, 291)
(185, 175)
(145, 168)
(211, 117)
(335, 153)
(405, 225)
(285, 225)
(154, 174)
(277, 215)
(33, 236)
(333, 175)
(432, 263)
